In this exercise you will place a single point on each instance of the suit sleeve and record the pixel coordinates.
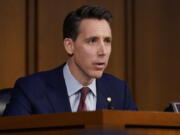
(19, 103)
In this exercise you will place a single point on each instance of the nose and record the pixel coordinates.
(102, 49)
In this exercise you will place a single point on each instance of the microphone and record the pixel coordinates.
(110, 105)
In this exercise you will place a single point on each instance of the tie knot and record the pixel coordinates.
(84, 91)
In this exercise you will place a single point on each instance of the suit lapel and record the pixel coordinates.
(57, 93)
(102, 94)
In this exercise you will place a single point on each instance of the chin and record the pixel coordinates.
(97, 74)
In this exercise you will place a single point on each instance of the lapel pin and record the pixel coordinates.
(110, 106)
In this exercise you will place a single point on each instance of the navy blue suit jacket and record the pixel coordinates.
(46, 92)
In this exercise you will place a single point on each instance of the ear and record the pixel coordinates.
(69, 45)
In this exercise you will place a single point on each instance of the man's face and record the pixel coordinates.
(91, 49)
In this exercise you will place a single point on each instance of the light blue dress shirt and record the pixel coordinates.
(73, 87)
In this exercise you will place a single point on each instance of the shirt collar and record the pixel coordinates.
(73, 85)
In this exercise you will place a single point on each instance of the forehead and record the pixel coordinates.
(94, 27)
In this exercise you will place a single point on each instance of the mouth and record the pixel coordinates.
(99, 65)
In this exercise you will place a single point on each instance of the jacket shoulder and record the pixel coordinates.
(111, 79)
(39, 76)
(38, 82)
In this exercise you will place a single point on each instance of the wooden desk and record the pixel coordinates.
(150, 123)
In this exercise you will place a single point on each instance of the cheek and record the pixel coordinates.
(86, 53)
(83, 56)
(110, 49)
(109, 53)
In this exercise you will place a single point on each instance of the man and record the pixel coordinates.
(87, 40)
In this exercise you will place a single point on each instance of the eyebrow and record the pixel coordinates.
(96, 37)
(110, 38)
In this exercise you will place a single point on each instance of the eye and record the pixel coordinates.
(92, 40)
(108, 40)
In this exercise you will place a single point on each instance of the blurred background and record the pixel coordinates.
(145, 50)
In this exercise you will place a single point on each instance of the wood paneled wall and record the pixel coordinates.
(145, 50)
(12, 41)
(157, 53)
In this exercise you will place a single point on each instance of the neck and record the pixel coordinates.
(80, 76)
